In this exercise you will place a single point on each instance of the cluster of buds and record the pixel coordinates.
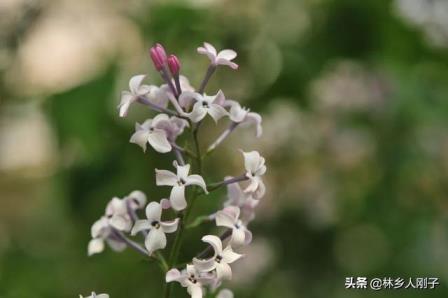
(179, 108)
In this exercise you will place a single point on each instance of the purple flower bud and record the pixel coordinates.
(174, 64)
(158, 56)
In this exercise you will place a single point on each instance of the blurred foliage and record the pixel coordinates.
(357, 187)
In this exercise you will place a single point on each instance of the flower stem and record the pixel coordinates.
(215, 186)
(183, 217)
(210, 70)
(222, 137)
(132, 244)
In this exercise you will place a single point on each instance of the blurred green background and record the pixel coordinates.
(353, 96)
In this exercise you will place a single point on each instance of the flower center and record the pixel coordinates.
(205, 104)
(192, 278)
(218, 259)
(181, 182)
(155, 224)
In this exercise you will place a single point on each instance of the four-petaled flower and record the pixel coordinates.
(243, 116)
(179, 181)
(220, 260)
(136, 89)
(229, 217)
(150, 132)
(101, 231)
(156, 238)
(246, 201)
(224, 57)
(191, 279)
(255, 168)
(204, 104)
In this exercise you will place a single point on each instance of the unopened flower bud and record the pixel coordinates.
(174, 64)
(158, 56)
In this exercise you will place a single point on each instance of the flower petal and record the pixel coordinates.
(196, 180)
(198, 113)
(216, 111)
(177, 198)
(99, 227)
(225, 293)
(195, 290)
(219, 98)
(153, 211)
(251, 161)
(173, 275)
(224, 220)
(135, 82)
(255, 119)
(155, 240)
(120, 222)
(126, 100)
(215, 242)
(204, 265)
(227, 54)
(159, 141)
(140, 137)
(95, 246)
(235, 194)
(182, 171)
(188, 97)
(223, 271)
(232, 65)
(140, 225)
(169, 226)
(229, 256)
(138, 199)
(238, 236)
(164, 177)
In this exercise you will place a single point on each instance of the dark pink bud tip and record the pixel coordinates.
(158, 56)
(174, 64)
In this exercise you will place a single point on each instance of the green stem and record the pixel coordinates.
(185, 214)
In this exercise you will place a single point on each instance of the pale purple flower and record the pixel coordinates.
(149, 132)
(203, 105)
(244, 200)
(220, 260)
(179, 181)
(172, 126)
(156, 238)
(136, 89)
(191, 279)
(255, 168)
(101, 232)
(225, 293)
(229, 217)
(94, 295)
(243, 116)
(224, 57)
(173, 64)
(158, 56)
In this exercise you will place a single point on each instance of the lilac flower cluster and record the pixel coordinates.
(181, 108)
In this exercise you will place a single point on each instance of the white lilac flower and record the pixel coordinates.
(179, 181)
(136, 200)
(224, 57)
(136, 89)
(220, 260)
(255, 168)
(117, 214)
(101, 232)
(243, 116)
(191, 279)
(203, 105)
(229, 217)
(172, 126)
(225, 293)
(148, 132)
(156, 238)
(247, 202)
(94, 295)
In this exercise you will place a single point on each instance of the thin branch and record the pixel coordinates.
(132, 244)
(215, 186)
(210, 70)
